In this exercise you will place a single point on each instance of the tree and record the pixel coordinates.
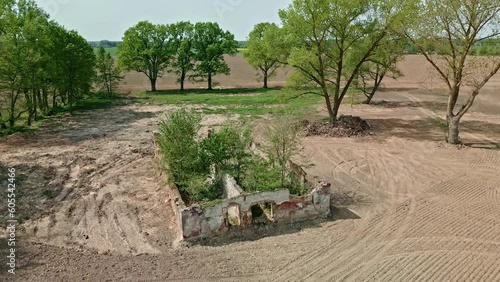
(39, 58)
(282, 140)
(24, 56)
(445, 33)
(383, 64)
(76, 64)
(330, 40)
(211, 43)
(183, 60)
(108, 74)
(261, 51)
(146, 48)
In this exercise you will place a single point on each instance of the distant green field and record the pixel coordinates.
(112, 50)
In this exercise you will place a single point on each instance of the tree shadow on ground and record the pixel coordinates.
(79, 127)
(414, 129)
(397, 89)
(484, 145)
(429, 105)
(23, 257)
(34, 194)
(261, 231)
(431, 129)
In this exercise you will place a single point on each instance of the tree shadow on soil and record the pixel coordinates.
(429, 105)
(23, 258)
(261, 231)
(431, 129)
(484, 145)
(80, 127)
(418, 129)
(397, 89)
(35, 196)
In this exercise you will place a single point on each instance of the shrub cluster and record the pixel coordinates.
(197, 165)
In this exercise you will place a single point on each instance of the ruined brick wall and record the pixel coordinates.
(237, 212)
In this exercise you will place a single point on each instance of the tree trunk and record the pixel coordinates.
(63, 97)
(369, 98)
(453, 130)
(182, 79)
(265, 80)
(209, 81)
(2, 123)
(45, 95)
(13, 99)
(378, 81)
(54, 102)
(70, 102)
(335, 110)
(36, 101)
(153, 85)
(12, 119)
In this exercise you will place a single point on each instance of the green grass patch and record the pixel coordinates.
(251, 102)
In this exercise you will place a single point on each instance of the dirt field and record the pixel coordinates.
(408, 207)
(242, 76)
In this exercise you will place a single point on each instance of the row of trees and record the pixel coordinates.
(334, 45)
(42, 65)
(191, 51)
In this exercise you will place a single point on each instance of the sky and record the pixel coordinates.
(109, 19)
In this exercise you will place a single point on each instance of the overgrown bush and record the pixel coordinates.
(178, 144)
(282, 140)
(227, 150)
(198, 165)
(261, 175)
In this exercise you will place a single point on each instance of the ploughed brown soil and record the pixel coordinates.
(242, 76)
(407, 207)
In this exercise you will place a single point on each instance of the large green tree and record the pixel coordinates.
(183, 60)
(445, 32)
(261, 52)
(211, 43)
(330, 40)
(146, 48)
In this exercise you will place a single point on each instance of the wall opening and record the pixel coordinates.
(234, 215)
(263, 212)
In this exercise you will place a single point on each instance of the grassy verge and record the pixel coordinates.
(250, 102)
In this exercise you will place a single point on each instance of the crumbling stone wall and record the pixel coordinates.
(239, 212)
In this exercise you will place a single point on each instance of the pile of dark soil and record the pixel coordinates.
(345, 126)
